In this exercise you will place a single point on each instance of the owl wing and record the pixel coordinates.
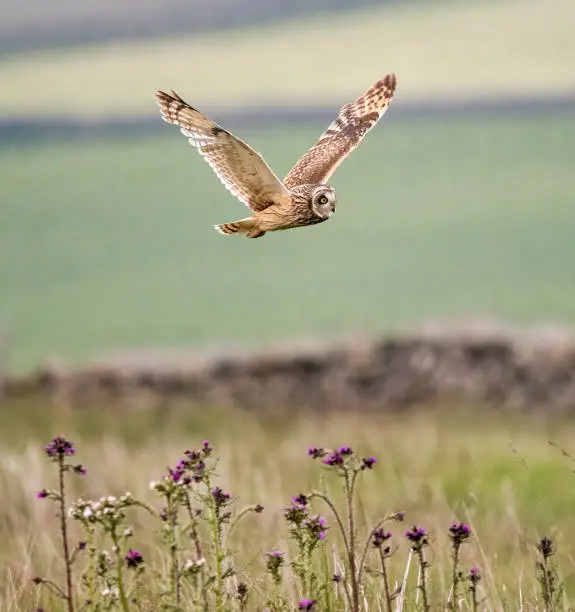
(238, 166)
(343, 135)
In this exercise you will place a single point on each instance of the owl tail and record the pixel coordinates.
(243, 226)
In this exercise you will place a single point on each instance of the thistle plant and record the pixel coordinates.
(57, 451)
(197, 520)
(418, 538)
(459, 533)
(473, 579)
(547, 575)
(348, 466)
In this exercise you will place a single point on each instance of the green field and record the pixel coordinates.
(499, 475)
(109, 244)
(439, 49)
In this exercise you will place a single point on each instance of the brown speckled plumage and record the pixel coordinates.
(303, 198)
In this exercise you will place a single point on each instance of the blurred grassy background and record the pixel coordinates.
(109, 243)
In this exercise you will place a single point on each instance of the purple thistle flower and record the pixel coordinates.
(206, 448)
(458, 533)
(176, 473)
(336, 578)
(316, 525)
(368, 462)
(59, 447)
(220, 498)
(416, 535)
(80, 469)
(274, 561)
(42, 494)
(306, 604)
(82, 545)
(164, 514)
(333, 459)
(300, 499)
(380, 536)
(192, 455)
(345, 450)
(314, 452)
(259, 508)
(474, 575)
(133, 558)
(295, 513)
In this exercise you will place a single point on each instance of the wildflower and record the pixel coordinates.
(333, 459)
(79, 469)
(164, 514)
(545, 547)
(258, 508)
(300, 499)
(336, 578)
(38, 580)
(368, 462)
(206, 448)
(474, 575)
(274, 562)
(316, 525)
(345, 450)
(314, 452)
(43, 494)
(307, 604)
(177, 473)
(82, 545)
(458, 533)
(380, 536)
(59, 447)
(242, 592)
(417, 535)
(133, 558)
(295, 513)
(220, 498)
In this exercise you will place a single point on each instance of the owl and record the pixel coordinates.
(303, 197)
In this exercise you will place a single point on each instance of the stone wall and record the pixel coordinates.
(496, 368)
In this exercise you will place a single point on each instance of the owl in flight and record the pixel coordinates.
(303, 197)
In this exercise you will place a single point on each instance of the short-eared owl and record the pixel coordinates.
(303, 198)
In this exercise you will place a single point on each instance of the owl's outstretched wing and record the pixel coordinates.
(238, 166)
(343, 135)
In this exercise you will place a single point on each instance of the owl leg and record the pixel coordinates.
(243, 226)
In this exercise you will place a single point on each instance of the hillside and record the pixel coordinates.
(438, 49)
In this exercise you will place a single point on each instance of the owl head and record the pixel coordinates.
(323, 201)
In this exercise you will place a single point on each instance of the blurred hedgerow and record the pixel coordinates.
(332, 563)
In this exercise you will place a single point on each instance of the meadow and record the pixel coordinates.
(108, 243)
(497, 474)
(332, 56)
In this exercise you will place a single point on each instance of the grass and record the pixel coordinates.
(109, 244)
(496, 473)
(439, 50)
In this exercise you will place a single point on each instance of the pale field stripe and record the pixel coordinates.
(439, 50)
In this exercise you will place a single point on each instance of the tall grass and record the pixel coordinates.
(499, 476)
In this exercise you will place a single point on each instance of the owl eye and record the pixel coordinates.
(323, 200)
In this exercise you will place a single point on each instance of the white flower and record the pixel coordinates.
(111, 499)
(153, 485)
(88, 512)
(128, 532)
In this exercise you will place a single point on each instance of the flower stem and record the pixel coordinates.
(454, 577)
(120, 573)
(349, 487)
(422, 586)
(388, 597)
(64, 531)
